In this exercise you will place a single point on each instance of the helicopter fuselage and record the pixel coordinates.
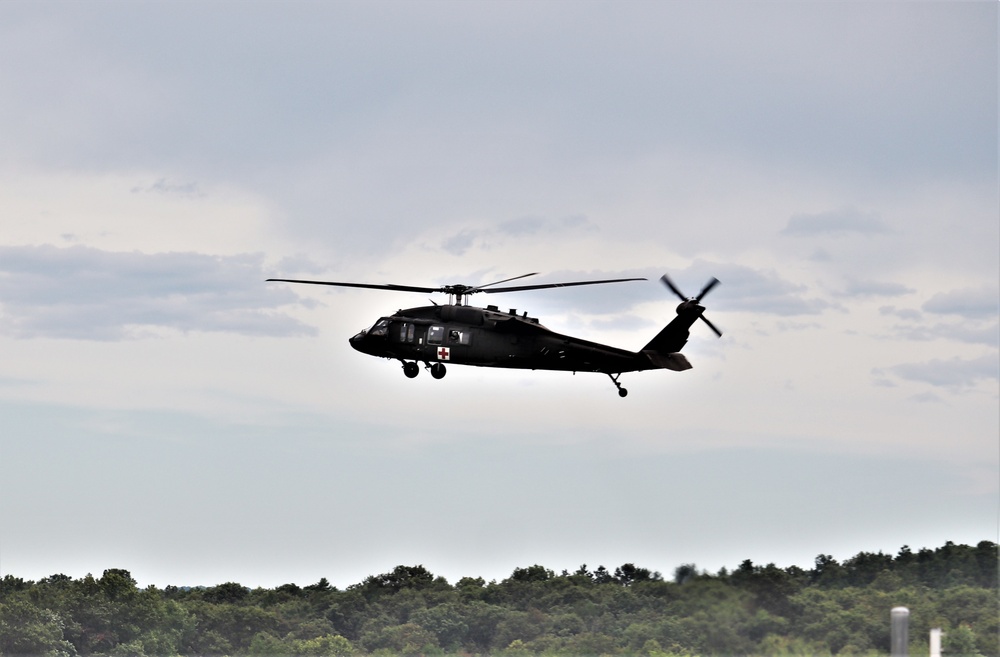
(489, 337)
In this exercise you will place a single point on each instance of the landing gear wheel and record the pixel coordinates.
(411, 370)
(438, 370)
(614, 379)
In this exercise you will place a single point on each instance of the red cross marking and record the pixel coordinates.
(444, 353)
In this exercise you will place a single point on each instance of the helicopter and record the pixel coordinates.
(460, 334)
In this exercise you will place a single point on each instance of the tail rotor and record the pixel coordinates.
(694, 303)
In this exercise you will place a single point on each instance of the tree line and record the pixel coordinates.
(834, 608)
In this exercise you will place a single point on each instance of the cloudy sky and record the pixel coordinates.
(165, 410)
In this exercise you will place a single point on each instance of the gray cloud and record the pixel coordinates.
(613, 298)
(742, 289)
(902, 313)
(971, 303)
(860, 288)
(171, 188)
(956, 373)
(927, 398)
(835, 223)
(299, 265)
(521, 227)
(988, 335)
(758, 291)
(87, 293)
(460, 242)
(514, 229)
(433, 111)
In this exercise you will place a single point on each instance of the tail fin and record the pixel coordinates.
(674, 335)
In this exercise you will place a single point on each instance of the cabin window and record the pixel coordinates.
(441, 335)
(456, 336)
(406, 332)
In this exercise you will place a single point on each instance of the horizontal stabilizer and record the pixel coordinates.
(675, 361)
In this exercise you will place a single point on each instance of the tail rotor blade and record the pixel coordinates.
(711, 326)
(673, 288)
(705, 290)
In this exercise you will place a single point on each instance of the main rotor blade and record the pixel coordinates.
(398, 288)
(477, 288)
(705, 290)
(456, 289)
(520, 288)
(673, 288)
(711, 325)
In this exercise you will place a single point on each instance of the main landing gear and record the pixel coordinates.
(411, 369)
(622, 392)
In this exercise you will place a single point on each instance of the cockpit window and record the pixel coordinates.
(381, 327)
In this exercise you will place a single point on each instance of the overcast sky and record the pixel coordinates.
(165, 410)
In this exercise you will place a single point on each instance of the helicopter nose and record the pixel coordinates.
(357, 341)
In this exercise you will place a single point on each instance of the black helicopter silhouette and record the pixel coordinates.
(460, 334)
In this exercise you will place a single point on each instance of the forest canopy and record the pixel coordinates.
(834, 608)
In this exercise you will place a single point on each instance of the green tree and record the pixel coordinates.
(328, 645)
(827, 572)
(960, 641)
(347, 612)
(228, 593)
(408, 639)
(628, 573)
(402, 577)
(833, 608)
(28, 630)
(265, 644)
(534, 573)
(482, 621)
(224, 629)
(684, 573)
(446, 622)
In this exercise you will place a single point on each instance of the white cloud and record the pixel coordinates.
(137, 211)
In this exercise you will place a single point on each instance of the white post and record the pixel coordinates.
(900, 617)
(936, 642)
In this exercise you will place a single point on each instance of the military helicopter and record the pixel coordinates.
(460, 334)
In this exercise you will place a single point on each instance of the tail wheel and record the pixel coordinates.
(614, 379)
